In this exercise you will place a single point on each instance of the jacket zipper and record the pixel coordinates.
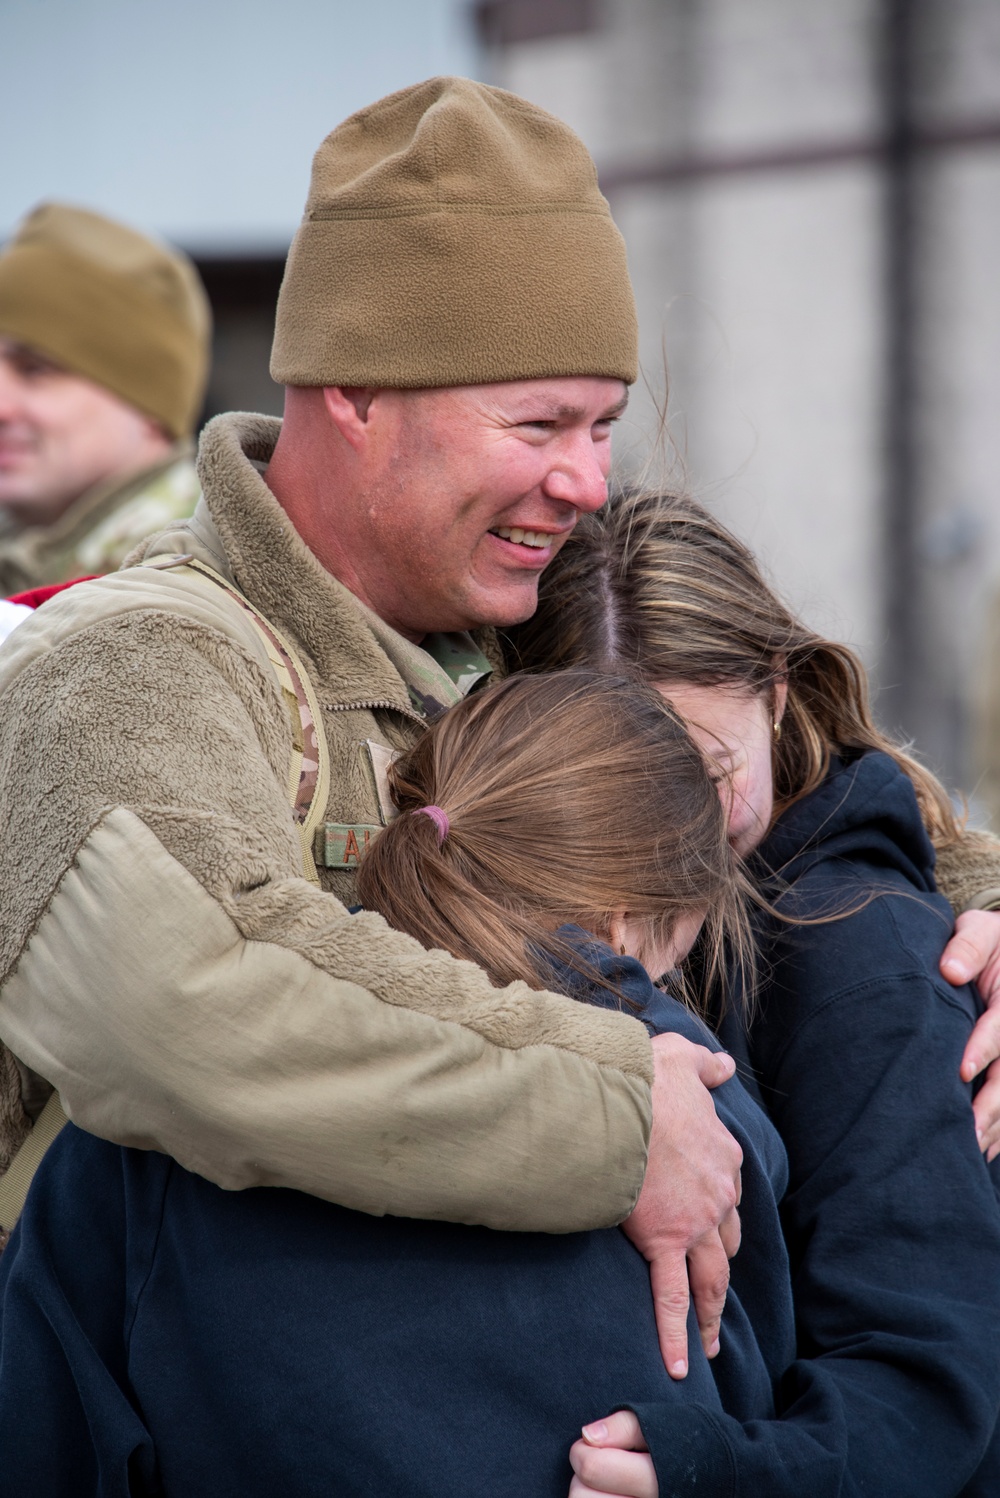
(368, 704)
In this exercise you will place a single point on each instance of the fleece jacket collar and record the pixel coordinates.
(357, 658)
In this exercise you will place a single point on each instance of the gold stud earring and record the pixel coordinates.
(622, 949)
(777, 730)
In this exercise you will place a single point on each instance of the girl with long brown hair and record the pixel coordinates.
(855, 1040)
(654, 584)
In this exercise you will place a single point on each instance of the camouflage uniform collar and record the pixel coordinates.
(460, 658)
(438, 672)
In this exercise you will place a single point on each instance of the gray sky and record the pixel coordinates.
(197, 119)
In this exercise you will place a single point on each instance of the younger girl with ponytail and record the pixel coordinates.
(573, 797)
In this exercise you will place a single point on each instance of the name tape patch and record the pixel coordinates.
(339, 845)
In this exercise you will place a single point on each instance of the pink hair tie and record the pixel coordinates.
(438, 817)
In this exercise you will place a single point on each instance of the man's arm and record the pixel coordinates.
(168, 971)
(968, 874)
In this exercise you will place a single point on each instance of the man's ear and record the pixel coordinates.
(348, 407)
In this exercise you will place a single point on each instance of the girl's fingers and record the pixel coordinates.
(609, 1470)
(986, 1109)
(975, 943)
(620, 1429)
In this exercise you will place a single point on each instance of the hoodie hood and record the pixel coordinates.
(865, 811)
(613, 981)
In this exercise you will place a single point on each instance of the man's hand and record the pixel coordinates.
(973, 956)
(612, 1458)
(685, 1222)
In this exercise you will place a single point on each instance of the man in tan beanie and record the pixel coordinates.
(195, 748)
(104, 349)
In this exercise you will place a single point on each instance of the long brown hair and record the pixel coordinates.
(570, 797)
(656, 585)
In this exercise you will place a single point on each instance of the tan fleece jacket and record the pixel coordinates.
(166, 967)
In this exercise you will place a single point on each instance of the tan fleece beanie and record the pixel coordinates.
(454, 235)
(107, 303)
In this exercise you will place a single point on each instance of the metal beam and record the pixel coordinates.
(880, 150)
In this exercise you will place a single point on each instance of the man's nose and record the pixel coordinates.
(579, 474)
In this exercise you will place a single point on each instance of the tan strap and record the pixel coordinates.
(14, 1184)
(309, 765)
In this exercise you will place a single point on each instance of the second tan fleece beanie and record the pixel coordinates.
(107, 303)
(454, 234)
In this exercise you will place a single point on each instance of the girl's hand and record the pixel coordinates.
(973, 956)
(612, 1458)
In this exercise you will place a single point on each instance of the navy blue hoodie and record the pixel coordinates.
(159, 1335)
(891, 1216)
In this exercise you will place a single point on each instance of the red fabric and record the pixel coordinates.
(35, 596)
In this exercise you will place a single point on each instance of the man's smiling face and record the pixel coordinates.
(469, 492)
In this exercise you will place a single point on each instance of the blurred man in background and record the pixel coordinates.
(104, 354)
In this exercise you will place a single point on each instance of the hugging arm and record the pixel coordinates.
(891, 1217)
(644, 1450)
(163, 964)
(968, 874)
(166, 967)
(894, 1233)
